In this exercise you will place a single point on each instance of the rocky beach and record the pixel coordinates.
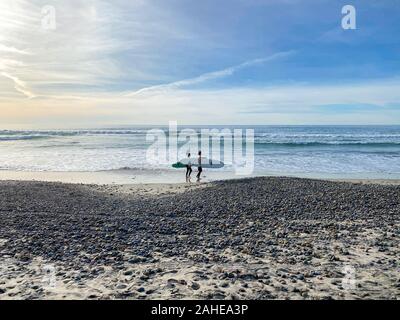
(258, 238)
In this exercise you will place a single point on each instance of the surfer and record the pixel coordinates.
(188, 169)
(200, 169)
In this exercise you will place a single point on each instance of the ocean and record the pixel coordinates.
(317, 151)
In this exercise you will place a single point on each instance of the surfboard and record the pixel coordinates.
(205, 163)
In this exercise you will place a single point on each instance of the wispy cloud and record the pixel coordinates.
(20, 85)
(4, 48)
(48, 62)
(116, 61)
(286, 104)
(208, 76)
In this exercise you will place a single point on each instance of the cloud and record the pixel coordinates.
(367, 96)
(103, 59)
(4, 48)
(96, 44)
(285, 104)
(208, 76)
(77, 53)
(20, 85)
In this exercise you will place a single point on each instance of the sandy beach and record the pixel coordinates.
(258, 238)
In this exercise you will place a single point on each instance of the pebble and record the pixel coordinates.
(121, 286)
(287, 220)
(195, 286)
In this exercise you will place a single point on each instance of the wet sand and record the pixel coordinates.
(160, 177)
(259, 238)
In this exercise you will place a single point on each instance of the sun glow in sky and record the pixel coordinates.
(110, 63)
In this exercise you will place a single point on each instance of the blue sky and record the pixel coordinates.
(198, 62)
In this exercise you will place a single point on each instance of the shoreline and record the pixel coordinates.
(258, 238)
(170, 177)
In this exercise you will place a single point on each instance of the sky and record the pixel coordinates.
(116, 63)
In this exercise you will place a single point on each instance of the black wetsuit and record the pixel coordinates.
(200, 168)
(188, 169)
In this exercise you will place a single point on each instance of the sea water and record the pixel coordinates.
(318, 151)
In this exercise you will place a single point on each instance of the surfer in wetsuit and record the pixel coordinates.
(200, 170)
(188, 169)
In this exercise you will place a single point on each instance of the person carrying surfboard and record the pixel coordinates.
(200, 169)
(188, 168)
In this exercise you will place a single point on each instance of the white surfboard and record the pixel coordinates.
(205, 163)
